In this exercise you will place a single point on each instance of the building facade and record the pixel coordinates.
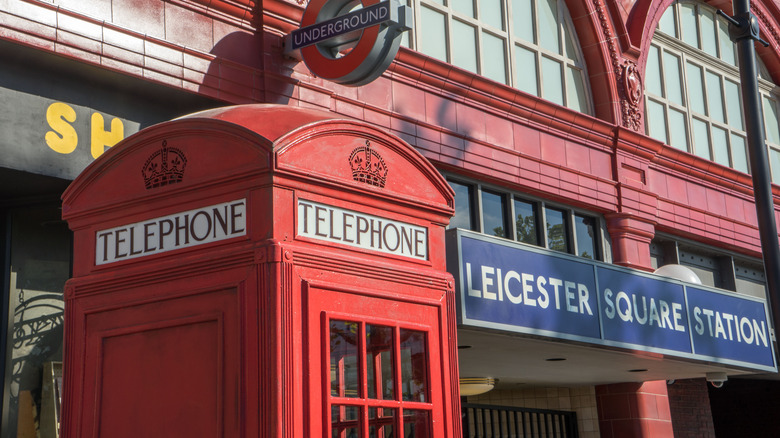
(599, 136)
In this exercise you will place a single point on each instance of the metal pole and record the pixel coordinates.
(744, 31)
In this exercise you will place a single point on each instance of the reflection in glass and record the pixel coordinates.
(344, 364)
(556, 230)
(414, 366)
(525, 222)
(463, 207)
(493, 213)
(381, 422)
(586, 231)
(379, 362)
(345, 421)
(417, 424)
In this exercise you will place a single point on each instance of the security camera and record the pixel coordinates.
(717, 379)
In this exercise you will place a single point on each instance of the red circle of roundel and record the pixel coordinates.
(329, 68)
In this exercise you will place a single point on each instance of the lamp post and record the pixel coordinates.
(744, 30)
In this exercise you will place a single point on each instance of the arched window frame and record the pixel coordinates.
(491, 21)
(717, 132)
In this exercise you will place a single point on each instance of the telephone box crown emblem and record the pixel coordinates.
(164, 167)
(368, 166)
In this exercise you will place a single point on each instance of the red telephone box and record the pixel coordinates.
(263, 271)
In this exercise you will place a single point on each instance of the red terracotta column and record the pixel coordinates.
(634, 410)
(631, 235)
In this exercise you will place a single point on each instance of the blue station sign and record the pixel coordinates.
(514, 287)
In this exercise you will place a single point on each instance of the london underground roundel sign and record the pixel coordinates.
(350, 42)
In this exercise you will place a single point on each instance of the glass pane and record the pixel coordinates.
(568, 40)
(344, 362)
(548, 25)
(770, 120)
(433, 41)
(40, 258)
(656, 121)
(381, 422)
(463, 207)
(653, 72)
(556, 230)
(739, 153)
(585, 229)
(715, 97)
(464, 37)
(672, 78)
(465, 7)
(701, 139)
(575, 90)
(344, 421)
(523, 20)
(491, 13)
(525, 222)
(720, 146)
(690, 30)
(708, 36)
(678, 132)
(526, 71)
(414, 366)
(379, 362)
(695, 88)
(666, 25)
(493, 58)
(417, 424)
(733, 105)
(726, 45)
(774, 159)
(552, 83)
(493, 214)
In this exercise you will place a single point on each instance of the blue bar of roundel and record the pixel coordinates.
(575, 311)
(643, 311)
(716, 334)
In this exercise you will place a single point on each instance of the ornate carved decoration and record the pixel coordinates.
(627, 75)
(368, 166)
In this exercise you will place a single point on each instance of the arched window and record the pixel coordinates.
(693, 99)
(527, 44)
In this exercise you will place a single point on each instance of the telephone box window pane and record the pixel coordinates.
(345, 421)
(417, 424)
(525, 222)
(414, 365)
(586, 236)
(556, 230)
(493, 213)
(464, 38)
(379, 362)
(344, 364)
(381, 422)
(432, 40)
(463, 207)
